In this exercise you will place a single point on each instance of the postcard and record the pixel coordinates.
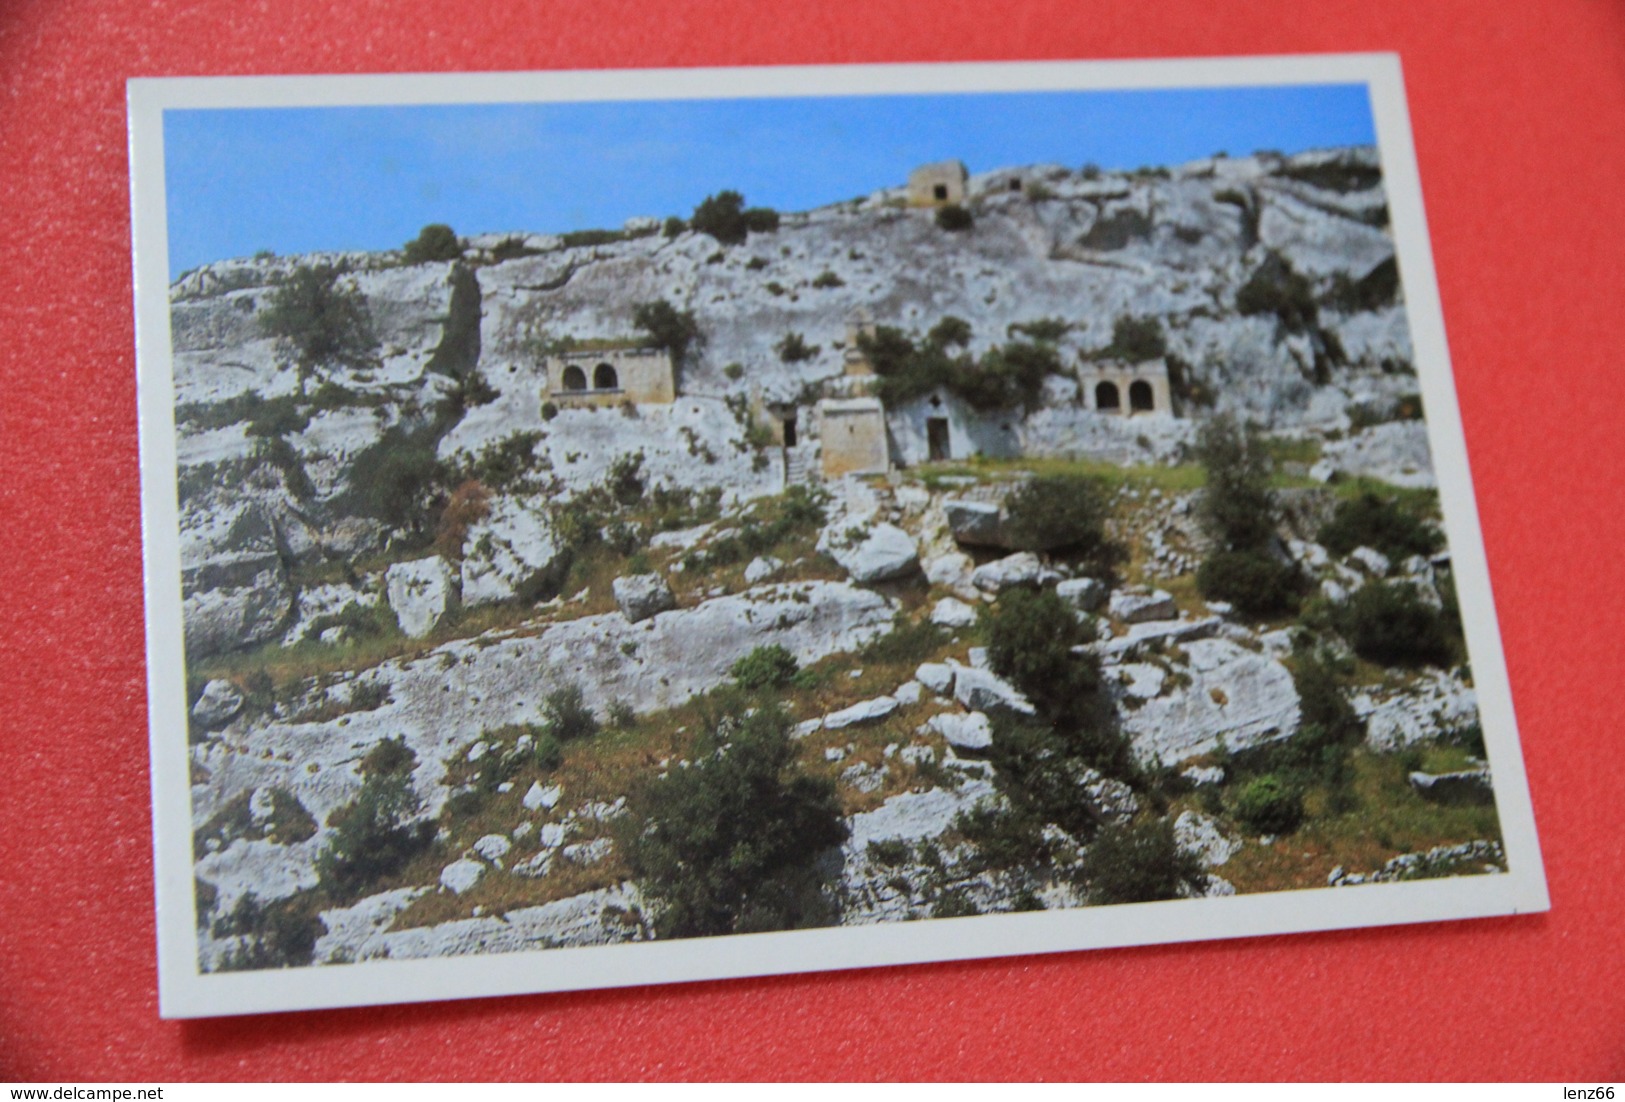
(627, 527)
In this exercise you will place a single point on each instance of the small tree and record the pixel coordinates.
(1237, 508)
(669, 328)
(954, 218)
(435, 242)
(765, 667)
(723, 217)
(317, 323)
(1389, 624)
(1138, 339)
(731, 843)
(1269, 805)
(1060, 513)
(374, 836)
(566, 715)
(1140, 862)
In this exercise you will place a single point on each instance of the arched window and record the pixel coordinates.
(1140, 397)
(575, 378)
(603, 378)
(1106, 396)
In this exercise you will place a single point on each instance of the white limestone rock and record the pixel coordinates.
(951, 613)
(876, 554)
(1235, 696)
(1371, 561)
(1395, 452)
(970, 731)
(1467, 786)
(1137, 606)
(952, 569)
(975, 523)
(641, 596)
(762, 568)
(1201, 775)
(1020, 569)
(936, 676)
(513, 543)
(909, 692)
(536, 797)
(461, 875)
(1083, 594)
(1200, 835)
(217, 704)
(868, 711)
(420, 593)
(492, 846)
(1108, 800)
(984, 691)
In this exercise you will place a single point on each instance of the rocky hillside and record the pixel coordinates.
(451, 647)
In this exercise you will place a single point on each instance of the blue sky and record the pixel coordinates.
(296, 180)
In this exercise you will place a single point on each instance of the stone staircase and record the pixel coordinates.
(801, 465)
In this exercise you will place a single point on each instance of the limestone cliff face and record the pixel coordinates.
(459, 371)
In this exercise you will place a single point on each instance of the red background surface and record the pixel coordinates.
(1519, 116)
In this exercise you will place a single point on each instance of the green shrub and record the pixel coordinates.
(1255, 582)
(397, 478)
(436, 241)
(1390, 624)
(761, 219)
(673, 226)
(669, 328)
(1371, 521)
(954, 218)
(826, 279)
(1046, 330)
(1031, 634)
(765, 667)
(1040, 767)
(550, 410)
(1269, 805)
(277, 417)
(731, 843)
(373, 836)
(546, 751)
(793, 348)
(1007, 376)
(1274, 288)
(950, 332)
(625, 478)
(566, 715)
(909, 643)
(1237, 507)
(317, 324)
(1137, 339)
(734, 372)
(1061, 513)
(278, 934)
(1140, 862)
(723, 217)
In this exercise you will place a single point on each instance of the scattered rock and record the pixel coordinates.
(217, 704)
(971, 731)
(984, 691)
(1108, 800)
(1136, 606)
(936, 676)
(1373, 562)
(504, 550)
(863, 777)
(538, 797)
(459, 876)
(876, 554)
(975, 523)
(1260, 703)
(492, 847)
(909, 692)
(1468, 786)
(1020, 569)
(762, 568)
(867, 711)
(951, 613)
(641, 596)
(1200, 775)
(420, 592)
(1083, 594)
(1201, 835)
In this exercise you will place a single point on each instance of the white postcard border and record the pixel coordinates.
(185, 992)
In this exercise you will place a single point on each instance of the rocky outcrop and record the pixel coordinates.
(217, 704)
(420, 593)
(1234, 697)
(875, 554)
(513, 550)
(642, 596)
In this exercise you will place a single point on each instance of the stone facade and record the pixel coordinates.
(936, 184)
(604, 377)
(852, 435)
(1126, 389)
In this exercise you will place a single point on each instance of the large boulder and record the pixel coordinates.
(1234, 696)
(420, 593)
(642, 596)
(1200, 835)
(1139, 606)
(971, 731)
(984, 691)
(513, 544)
(236, 601)
(951, 613)
(867, 711)
(1020, 569)
(217, 704)
(877, 554)
(1468, 786)
(976, 523)
(1083, 594)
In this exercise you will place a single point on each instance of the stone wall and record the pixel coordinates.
(610, 376)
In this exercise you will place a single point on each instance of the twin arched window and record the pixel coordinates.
(1141, 399)
(603, 378)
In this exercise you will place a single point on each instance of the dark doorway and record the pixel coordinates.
(790, 431)
(604, 378)
(575, 378)
(1140, 398)
(940, 192)
(1015, 185)
(1106, 396)
(936, 437)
